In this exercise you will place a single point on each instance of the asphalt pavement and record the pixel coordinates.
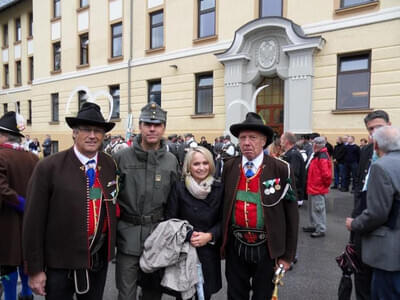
(316, 275)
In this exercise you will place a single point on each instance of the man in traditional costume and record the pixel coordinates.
(70, 222)
(16, 167)
(260, 213)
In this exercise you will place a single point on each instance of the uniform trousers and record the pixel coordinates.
(244, 276)
(126, 276)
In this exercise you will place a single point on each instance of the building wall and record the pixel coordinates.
(190, 56)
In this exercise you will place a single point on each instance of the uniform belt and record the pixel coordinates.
(142, 220)
(249, 236)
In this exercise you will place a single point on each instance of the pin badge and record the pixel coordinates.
(266, 192)
(277, 187)
(272, 190)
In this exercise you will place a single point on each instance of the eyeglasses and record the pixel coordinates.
(88, 130)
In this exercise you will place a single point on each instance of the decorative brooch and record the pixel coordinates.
(271, 186)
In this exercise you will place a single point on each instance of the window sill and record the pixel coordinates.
(356, 7)
(54, 122)
(202, 116)
(30, 37)
(55, 72)
(4, 47)
(117, 58)
(351, 111)
(55, 19)
(115, 120)
(17, 42)
(205, 39)
(5, 87)
(155, 50)
(18, 84)
(83, 66)
(79, 9)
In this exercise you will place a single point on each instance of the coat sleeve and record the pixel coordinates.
(380, 197)
(216, 229)
(172, 209)
(7, 194)
(35, 219)
(326, 171)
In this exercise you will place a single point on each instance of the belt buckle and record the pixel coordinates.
(146, 220)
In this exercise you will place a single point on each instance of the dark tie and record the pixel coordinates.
(91, 173)
(249, 172)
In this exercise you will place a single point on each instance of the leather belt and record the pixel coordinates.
(249, 236)
(156, 217)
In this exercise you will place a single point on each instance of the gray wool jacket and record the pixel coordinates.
(146, 178)
(166, 248)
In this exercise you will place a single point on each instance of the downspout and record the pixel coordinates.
(130, 118)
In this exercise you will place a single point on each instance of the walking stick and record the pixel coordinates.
(279, 273)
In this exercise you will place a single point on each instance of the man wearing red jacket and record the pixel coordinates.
(319, 177)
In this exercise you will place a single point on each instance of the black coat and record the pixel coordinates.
(339, 153)
(298, 166)
(205, 216)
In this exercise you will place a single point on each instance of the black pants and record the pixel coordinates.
(362, 280)
(239, 271)
(60, 284)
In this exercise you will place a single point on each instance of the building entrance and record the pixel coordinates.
(270, 103)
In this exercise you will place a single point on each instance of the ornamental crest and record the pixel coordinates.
(268, 53)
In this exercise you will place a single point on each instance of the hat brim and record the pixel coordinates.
(235, 129)
(11, 131)
(74, 122)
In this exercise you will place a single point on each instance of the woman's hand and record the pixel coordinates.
(200, 239)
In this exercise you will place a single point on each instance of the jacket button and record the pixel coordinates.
(363, 181)
(366, 171)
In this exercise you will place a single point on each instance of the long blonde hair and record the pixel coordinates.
(189, 157)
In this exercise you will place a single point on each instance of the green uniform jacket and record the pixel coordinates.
(146, 180)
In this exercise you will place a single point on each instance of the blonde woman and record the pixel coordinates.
(198, 199)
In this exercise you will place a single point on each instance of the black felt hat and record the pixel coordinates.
(8, 123)
(90, 114)
(253, 122)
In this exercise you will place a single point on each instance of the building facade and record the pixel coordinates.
(305, 66)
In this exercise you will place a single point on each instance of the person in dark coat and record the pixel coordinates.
(351, 160)
(16, 167)
(338, 162)
(198, 199)
(69, 228)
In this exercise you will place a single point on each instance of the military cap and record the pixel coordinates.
(188, 135)
(153, 113)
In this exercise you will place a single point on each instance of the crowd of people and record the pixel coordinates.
(33, 145)
(174, 208)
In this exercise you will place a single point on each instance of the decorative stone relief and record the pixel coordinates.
(268, 53)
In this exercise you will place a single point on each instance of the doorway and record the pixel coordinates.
(270, 103)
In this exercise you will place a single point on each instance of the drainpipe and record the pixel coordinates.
(130, 117)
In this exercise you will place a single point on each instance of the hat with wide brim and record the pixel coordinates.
(8, 124)
(90, 114)
(253, 122)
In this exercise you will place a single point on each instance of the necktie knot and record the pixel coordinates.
(90, 172)
(249, 169)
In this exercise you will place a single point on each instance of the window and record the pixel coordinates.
(54, 107)
(154, 93)
(349, 3)
(114, 92)
(18, 79)
(30, 29)
(57, 56)
(5, 35)
(30, 60)
(17, 29)
(5, 107)
(6, 76)
(204, 94)
(270, 8)
(353, 81)
(82, 98)
(116, 40)
(206, 18)
(84, 49)
(83, 3)
(54, 146)
(156, 29)
(29, 120)
(56, 8)
(18, 107)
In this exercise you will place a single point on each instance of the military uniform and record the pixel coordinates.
(146, 180)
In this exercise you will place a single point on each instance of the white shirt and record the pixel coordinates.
(84, 159)
(256, 162)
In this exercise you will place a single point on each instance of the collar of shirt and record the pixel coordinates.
(84, 159)
(257, 161)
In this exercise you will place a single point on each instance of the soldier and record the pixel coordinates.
(16, 167)
(147, 171)
(70, 220)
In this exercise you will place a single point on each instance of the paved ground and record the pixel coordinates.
(316, 275)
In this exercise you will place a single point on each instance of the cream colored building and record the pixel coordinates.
(327, 62)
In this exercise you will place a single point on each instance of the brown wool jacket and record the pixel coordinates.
(16, 168)
(281, 221)
(55, 223)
